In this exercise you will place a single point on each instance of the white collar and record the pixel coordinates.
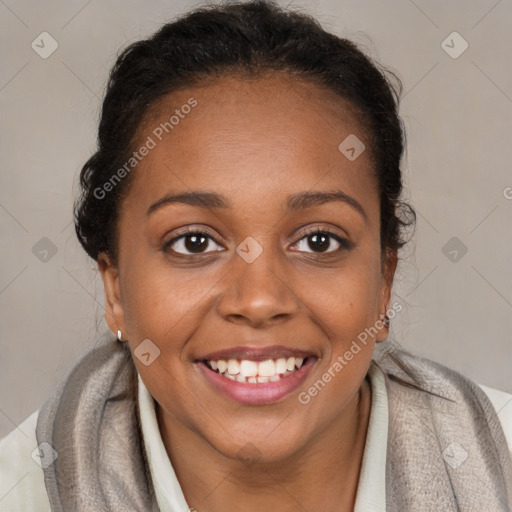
(371, 491)
(168, 492)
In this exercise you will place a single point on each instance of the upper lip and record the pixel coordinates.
(256, 353)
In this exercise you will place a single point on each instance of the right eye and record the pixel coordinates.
(190, 243)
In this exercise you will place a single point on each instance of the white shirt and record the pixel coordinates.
(22, 487)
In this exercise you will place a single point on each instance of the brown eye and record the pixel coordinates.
(195, 242)
(319, 242)
(322, 242)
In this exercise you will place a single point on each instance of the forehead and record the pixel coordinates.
(262, 137)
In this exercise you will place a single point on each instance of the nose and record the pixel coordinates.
(258, 293)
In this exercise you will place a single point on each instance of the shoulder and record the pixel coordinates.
(441, 380)
(22, 487)
(502, 403)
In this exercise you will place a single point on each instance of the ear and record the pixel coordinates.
(389, 264)
(114, 314)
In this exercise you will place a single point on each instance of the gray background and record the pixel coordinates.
(457, 111)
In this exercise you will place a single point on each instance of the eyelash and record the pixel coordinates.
(345, 245)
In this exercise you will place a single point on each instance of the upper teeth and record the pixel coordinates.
(269, 368)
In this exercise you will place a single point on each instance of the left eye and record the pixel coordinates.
(193, 242)
(321, 242)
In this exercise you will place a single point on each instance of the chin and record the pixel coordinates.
(260, 449)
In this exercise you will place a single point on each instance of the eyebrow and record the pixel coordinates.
(194, 198)
(308, 199)
(298, 201)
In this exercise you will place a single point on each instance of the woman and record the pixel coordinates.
(244, 210)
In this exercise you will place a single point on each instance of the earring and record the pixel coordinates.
(386, 321)
(119, 336)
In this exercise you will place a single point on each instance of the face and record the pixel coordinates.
(247, 239)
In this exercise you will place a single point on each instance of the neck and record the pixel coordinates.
(323, 475)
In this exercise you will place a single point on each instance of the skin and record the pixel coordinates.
(267, 139)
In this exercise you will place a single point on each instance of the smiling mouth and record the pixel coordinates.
(256, 372)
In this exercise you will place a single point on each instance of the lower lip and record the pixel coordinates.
(258, 392)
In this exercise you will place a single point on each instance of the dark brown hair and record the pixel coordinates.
(247, 37)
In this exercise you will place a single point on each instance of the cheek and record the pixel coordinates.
(346, 308)
(166, 306)
(346, 301)
(164, 303)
